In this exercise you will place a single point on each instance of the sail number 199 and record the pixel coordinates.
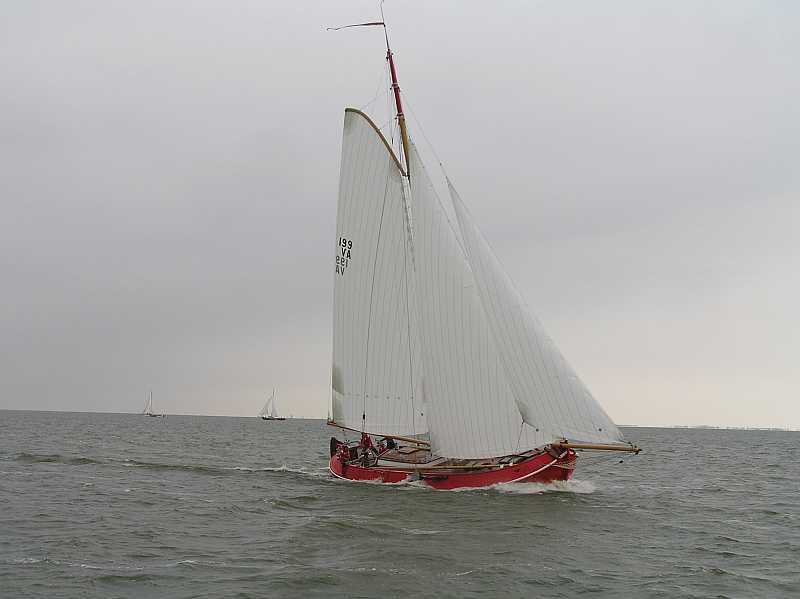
(343, 255)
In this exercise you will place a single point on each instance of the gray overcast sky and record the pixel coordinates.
(168, 178)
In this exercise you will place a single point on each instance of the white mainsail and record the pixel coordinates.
(375, 377)
(549, 395)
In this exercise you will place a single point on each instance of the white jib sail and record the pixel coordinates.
(549, 395)
(375, 370)
(471, 411)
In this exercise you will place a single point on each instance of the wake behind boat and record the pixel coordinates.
(270, 409)
(437, 362)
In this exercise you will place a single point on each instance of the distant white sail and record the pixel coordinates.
(269, 406)
(549, 395)
(273, 408)
(376, 375)
(148, 404)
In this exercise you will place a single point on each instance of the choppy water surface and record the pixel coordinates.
(102, 505)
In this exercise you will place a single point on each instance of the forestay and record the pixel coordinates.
(375, 370)
(549, 395)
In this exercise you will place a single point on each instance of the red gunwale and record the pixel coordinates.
(539, 468)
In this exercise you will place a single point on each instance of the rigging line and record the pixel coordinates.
(425, 137)
(408, 321)
(381, 83)
(392, 118)
(406, 242)
(371, 294)
(383, 21)
(387, 90)
(456, 229)
(386, 126)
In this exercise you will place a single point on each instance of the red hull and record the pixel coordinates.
(540, 468)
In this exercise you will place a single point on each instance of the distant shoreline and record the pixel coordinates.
(322, 419)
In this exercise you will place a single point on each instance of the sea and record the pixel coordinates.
(122, 505)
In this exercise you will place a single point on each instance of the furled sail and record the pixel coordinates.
(549, 395)
(471, 411)
(375, 370)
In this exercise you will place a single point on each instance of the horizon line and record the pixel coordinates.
(669, 426)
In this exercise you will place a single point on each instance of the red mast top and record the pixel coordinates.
(401, 119)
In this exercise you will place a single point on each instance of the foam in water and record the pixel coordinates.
(318, 473)
(418, 531)
(579, 487)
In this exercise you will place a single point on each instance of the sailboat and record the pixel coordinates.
(438, 364)
(148, 407)
(270, 409)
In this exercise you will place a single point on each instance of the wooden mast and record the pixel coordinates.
(401, 119)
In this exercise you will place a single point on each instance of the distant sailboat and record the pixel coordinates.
(434, 351)
(148, 407)
(270, 409)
